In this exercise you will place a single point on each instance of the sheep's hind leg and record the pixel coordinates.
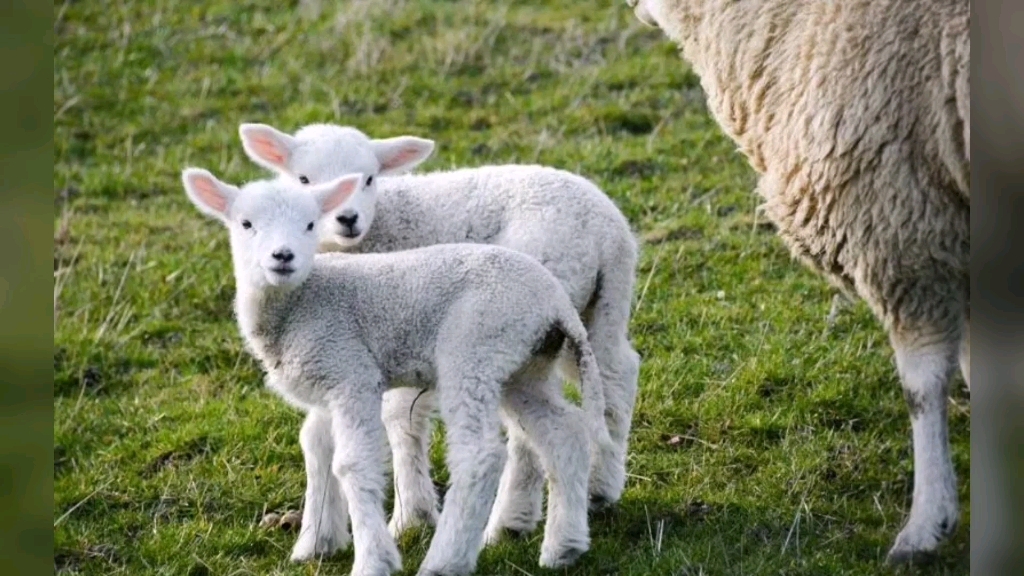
(406, 414)
(925, 365)
(325, 512)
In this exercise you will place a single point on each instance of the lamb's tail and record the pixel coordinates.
(591, 384)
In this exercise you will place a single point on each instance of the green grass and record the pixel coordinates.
(763, 443)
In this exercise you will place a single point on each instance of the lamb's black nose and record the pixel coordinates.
(348, 218)
(283, 255)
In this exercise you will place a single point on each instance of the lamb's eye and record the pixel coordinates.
(369, 180)
(303, 179)
(246, 224)
(309, 227)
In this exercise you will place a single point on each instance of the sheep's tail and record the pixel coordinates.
(591, 384)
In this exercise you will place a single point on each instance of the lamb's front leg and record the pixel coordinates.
(360, 466)
(406, 415)
(325, 512)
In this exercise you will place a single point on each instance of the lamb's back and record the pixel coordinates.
(394, 303)
(558, 218)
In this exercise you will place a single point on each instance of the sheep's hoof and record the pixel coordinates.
(917, 544)
(901, 556)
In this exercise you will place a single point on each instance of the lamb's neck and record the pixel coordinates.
(403, 221)
(261, 315)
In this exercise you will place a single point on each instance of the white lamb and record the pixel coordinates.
(562, 220)
(484, 324)
(856, 115)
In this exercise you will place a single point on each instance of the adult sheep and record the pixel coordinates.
(856, 115)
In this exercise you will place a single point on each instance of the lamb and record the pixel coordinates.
(482, 324)
(856, 115)
(560, 219)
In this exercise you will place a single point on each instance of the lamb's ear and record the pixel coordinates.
(267, 146)
(402, 153)
(337, 191)
(210, 195)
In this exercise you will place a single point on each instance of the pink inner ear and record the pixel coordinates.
(268, 149)
(340, 194)
(402, 156)
(210, 193)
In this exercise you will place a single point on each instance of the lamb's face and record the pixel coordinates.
(649, 12)
(273, 234)
(348, 224)
(320, 153)
(272, 223)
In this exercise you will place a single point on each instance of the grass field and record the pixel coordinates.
(765, 440)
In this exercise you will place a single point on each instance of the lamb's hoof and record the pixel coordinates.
(599, 502)
(444, 572)
(918, 544)
(493, 536)
(307, 548)
(399, 524)
(386, 565)
(562, 556)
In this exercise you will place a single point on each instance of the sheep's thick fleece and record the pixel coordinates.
(856, 115)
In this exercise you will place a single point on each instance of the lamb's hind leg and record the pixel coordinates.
(325, 512)
(619, 364)
(926, 362)
(518, 506)
(558, 432)
(469, 402)
(406, 415)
